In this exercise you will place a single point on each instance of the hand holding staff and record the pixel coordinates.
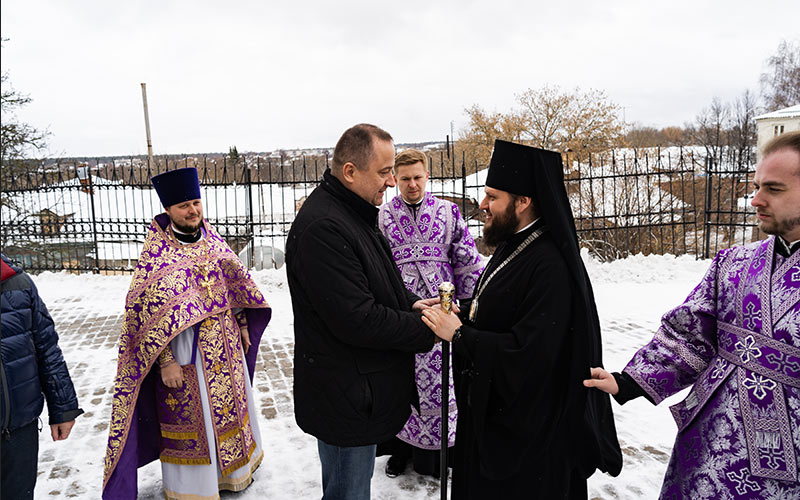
(446, 293)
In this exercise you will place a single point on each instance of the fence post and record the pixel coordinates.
(96, 269)
(248, 179)
(463, 187)
(707, 212)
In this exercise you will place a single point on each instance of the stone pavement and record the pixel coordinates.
(73, 469)
(89, 341)
(273, 378)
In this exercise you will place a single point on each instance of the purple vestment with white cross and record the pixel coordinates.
(736, 342)
(429, 247)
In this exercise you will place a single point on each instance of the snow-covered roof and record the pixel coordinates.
(789, 112)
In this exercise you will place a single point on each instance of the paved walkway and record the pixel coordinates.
(91, 338)
(73, 469)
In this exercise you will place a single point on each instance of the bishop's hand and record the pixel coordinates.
(440, 322)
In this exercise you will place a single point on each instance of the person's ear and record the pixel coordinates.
(522, 204)
(349, 171)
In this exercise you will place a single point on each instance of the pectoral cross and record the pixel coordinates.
(205, 282)
(473, 310)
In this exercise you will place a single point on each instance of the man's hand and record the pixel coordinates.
(245, 338)
(172, 375)
(602, 380)
(423, 304)
(61, 431)
(442, 324)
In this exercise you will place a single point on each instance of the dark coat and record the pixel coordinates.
(355, 334)
(520, 431)
(32, 363)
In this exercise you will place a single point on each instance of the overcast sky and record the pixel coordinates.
(264, 75)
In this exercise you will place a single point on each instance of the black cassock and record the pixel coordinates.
(522, 430)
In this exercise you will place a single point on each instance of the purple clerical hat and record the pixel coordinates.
(177, 186)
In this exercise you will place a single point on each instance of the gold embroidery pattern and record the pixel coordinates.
(219, 343)
(165, 298)
(178, 435)
(172, 402)
(166, 357)
(183, 431)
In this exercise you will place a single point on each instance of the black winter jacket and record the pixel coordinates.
(355, 334)
(32, 363)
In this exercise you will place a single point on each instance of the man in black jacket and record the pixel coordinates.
(31, 364)
(527, 428)
(356, 326)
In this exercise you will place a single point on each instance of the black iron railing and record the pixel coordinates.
(91, 215)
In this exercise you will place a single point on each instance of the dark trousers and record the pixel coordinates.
(424, 462)
(20, 450)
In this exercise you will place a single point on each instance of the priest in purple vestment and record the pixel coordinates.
(183, 393)
(736, 342)
(430, 244)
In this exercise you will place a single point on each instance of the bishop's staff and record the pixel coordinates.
(446, 293)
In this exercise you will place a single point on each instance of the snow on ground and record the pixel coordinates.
(631, 294)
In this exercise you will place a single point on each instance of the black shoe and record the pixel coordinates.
(395, 466)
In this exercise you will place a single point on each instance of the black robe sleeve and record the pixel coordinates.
(628, 389)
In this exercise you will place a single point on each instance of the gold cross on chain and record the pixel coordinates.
(205, 282)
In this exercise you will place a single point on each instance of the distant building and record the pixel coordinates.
(776, 123)
(83, 173)
(51, 222)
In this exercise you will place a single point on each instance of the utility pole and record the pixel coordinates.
(147, 127)
(452, 139)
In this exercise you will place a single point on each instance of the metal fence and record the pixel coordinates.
(673, 201)
(92, 215)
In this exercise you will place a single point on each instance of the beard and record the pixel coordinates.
(188, 229)
(503, 226)
(780, 227)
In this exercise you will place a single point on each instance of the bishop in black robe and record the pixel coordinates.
(527, 427)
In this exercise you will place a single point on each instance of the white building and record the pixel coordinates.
(776, 123)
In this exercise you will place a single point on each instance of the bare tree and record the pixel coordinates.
(675, 136)
(583, 122)
(742, 130)
(780, 84)
(571, 120)
(478, 138)
(639, 136)
(710, 128)
(546, 111)
(18, 139)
